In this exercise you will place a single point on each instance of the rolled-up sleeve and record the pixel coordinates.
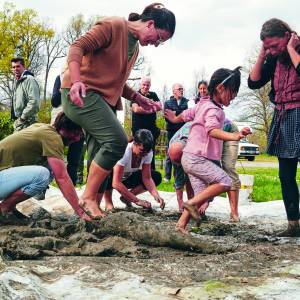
(98, 37)
(267, 72)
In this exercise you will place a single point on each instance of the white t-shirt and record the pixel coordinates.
(126, 161)
(191, 103)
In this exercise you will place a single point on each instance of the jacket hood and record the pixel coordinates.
(25, 74)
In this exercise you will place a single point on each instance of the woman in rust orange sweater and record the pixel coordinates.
(99, 64)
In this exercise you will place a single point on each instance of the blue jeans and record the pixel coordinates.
(32, 180)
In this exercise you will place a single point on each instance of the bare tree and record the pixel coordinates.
(54, 49)
(255, 106)
(78, 26)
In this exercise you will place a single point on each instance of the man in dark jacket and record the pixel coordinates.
(178, 104)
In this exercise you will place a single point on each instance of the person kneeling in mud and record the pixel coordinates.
(132, 175)
(202, 153)
(30, 158)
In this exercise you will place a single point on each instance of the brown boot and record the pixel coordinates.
(293, 230)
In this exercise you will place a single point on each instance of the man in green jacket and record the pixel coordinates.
(26, 99)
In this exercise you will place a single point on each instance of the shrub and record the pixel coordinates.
(6, 125)
(44, 115)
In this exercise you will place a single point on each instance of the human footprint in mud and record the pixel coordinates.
(23, 156)
(132, 175)
(279, 62)
(202, 153)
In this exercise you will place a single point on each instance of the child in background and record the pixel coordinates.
(203, 150)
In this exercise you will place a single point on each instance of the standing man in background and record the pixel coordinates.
(178, 104)
(26, 99)
(142, 119)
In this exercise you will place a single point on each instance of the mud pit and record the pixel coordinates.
(142, 250)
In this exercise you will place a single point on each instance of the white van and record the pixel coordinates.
(246, 149)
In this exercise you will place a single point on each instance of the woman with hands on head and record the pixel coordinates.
(279, 62)
(99, 64)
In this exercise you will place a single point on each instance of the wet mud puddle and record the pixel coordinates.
(136, 254)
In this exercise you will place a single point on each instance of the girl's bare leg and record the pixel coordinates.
(233, 197)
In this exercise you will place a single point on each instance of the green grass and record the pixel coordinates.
(266, 183)
(266, 158)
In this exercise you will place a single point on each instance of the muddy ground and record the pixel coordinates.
(227, 255)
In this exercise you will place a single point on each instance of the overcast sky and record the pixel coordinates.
(209, 34)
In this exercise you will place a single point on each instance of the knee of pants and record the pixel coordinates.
(156, 176)
(226, 182)
(111, 151)
(39, 183)
(120, 145)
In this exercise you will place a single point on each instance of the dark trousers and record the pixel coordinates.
(168, 163)
(289, 187)
(136, 179)
(73, 158)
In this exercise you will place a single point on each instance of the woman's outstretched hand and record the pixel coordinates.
(77, 92)
(148, 104)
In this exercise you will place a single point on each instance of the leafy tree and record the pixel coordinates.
(22, 34)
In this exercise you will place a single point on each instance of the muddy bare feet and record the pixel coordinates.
(181, 229)
(193, 212)
(92, 209)
(109, 207)
(234, 218)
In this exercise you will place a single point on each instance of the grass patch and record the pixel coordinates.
(265, 158)
(266, 183)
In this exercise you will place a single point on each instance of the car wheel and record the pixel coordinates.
(251, 158)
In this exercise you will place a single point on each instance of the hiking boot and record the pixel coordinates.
(293, 230)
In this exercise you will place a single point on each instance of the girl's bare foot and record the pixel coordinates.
(234, 218)
(193, 212)
(181, 229)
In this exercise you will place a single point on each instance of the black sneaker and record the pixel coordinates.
(291, 231)
(19, 215)
(40, 196)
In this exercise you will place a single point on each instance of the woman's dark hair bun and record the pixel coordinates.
(134, 17)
